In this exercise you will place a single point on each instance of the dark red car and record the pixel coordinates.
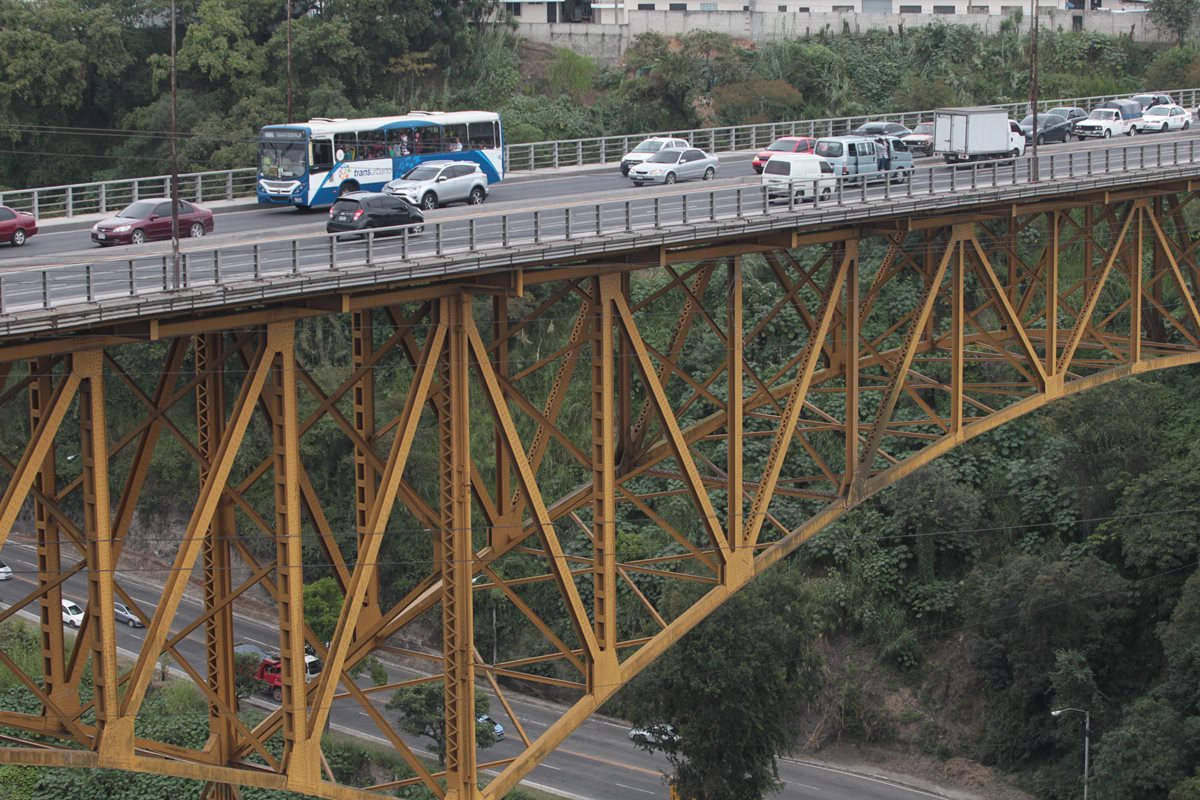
(784, 144)
(144, 220)
(16, 226)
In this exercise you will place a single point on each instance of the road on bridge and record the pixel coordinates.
(597, 761)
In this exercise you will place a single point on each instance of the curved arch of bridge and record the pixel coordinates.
(573, 448)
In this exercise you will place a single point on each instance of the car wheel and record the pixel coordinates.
(669, 179)
(137, 237)
(277, 694)
(197, 230)
(18, 238)
(1041, 138)
(1133, 131)
(416, 229)
(429, 201)
(476, 196)
(132, 622)
(709, 174)
(1108, 133)
(1186, 125)
(1014, 154)
(825, 193)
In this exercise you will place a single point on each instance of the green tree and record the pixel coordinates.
(1176, 17)
(322, 607)
(755, 655)
(422, 708)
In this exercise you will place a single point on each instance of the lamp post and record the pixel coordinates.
(1087, 736)
(176, 270)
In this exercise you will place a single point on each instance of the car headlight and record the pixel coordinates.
(121, 228)
(656, 171)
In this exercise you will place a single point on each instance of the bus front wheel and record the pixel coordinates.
(346, 188)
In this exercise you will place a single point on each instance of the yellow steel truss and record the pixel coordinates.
(518, 431)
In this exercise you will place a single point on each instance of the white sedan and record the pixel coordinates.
(669, 166)
(1166, 118)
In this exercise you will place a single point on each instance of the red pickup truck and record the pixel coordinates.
(268, 674)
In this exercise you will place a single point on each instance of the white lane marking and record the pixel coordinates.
(550, 766)
(860, 776)
(802, 785)
(632, 788)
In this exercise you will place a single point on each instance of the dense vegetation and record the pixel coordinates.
(108, 61)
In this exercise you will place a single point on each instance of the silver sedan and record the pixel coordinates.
(669, 166)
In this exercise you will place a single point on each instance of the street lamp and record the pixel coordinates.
(1087, 735)
(1033, 90)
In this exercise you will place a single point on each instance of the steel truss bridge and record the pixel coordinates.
(726, 394)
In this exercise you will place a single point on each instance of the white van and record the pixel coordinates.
(799, 175)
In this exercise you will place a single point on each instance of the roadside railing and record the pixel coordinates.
(260, 268)
(102, 197)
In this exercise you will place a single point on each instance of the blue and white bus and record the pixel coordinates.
(307, 164)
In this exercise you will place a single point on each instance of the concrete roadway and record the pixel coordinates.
(596, 762)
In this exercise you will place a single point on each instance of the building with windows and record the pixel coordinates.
(620, 12)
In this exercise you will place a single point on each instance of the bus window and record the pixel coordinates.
(482, 135)
(456, 138)
(398, 141)
(345, 146)
(371, 144)
(431, 139)
(322, 155)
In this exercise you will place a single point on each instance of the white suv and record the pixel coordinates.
(436, 183)
(649, 147)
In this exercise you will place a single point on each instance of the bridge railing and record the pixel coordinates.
(104, 196)
(244, 269)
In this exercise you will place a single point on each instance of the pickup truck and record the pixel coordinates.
(1113, 118)
(270, 676)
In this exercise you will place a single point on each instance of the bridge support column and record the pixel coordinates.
(301, 753)
(63, 693)
(365, 476)
(101, 563)
(457, 554)
(741, 556)
(604, 505)
(218, 564)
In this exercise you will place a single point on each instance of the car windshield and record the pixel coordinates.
(665, 157)
(346, 205)
(1062, 112)
(1103, 113)
(648, 146)
(73, 609)
(783, 145)
(138, 210)
(828, 149)
(425, 172)
(924, 129)
(1159, 111)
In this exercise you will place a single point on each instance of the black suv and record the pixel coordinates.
(357, 212)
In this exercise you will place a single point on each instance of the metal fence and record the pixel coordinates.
(260, 268)
(102, 197)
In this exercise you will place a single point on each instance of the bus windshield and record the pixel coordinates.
(281, 159)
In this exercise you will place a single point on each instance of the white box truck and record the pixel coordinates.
(972, 134)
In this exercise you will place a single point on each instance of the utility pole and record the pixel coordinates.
(176, 270)
(288, 14)
(1033, 90)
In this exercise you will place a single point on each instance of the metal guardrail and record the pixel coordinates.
(102, 197)
(138, 284)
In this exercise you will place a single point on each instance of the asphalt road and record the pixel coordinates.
(596, 762)
(62, 241)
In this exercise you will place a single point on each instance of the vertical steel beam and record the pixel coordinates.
(1051, 354)
(301, 749)
(1133, 260)
(97, 530)
(365, 477)
(61, 691)
(604, 502)
(734, 374)
(218, 563)
(958, 323)
(458, 618)
(850, 364)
